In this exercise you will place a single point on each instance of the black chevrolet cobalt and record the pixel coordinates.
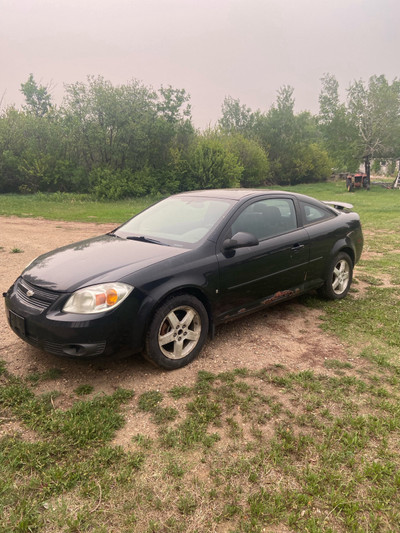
(162, 281)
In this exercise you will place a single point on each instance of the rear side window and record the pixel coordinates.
(313, 213)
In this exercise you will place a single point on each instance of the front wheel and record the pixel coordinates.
(177, 332)
(339, 278)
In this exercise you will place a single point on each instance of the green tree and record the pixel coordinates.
(129, 128)
(37, 97)
(338, 132)
(237, 118)
(12, 144)
(173, 105)
(33, 154)
(171, 136)
(292, 142)
(374, 110)
(108, 125)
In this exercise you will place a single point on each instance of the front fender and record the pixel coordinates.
(199, 287)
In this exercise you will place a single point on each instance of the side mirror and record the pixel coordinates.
(240, 240)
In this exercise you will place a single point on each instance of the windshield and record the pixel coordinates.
(179, 221)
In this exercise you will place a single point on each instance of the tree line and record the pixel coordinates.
(131, 140)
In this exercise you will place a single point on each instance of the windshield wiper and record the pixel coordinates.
(142, 238)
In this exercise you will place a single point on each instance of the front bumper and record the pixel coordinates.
(42, 324)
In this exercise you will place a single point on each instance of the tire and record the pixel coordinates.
(177, 332)
(339, 278)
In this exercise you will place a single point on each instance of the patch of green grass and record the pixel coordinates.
(162, 415)
(3, 367)
(372, 318)
(148, 401)
(48, 375)
(180, 391)
(16, 251)
(143, 441)
(174, 468)
(305, 473)
(72, 207)
(84, 390)
(371, 280)
(334, 363)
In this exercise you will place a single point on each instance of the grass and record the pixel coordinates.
(329, 463)
(377, 207)
(240, 451)
(72, 207)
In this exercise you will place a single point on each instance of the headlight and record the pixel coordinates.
(98, 298)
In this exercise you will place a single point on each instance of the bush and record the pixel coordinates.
(10, 175)
(252, 157)
(309, 164)
(210, 165)
(313, 165)
(107, 184)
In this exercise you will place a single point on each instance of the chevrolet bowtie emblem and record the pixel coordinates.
(29, 293)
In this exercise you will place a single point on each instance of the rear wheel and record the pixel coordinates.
(339, 278)
(177, 332)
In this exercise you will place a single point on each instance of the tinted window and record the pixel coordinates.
(313, 213)
(267, 218)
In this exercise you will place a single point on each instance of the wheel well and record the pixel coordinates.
(350, 253)
(193, 292)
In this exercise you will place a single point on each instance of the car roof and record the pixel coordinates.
(233, 194)
(241, 194)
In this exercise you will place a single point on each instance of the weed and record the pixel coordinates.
(48, 375)
(84, 390)
(334, 363)
(149, 400)
(143, 441)
(163, 415)
(180, 391)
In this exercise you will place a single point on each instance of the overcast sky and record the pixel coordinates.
(246, 49)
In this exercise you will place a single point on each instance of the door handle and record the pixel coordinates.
(297, 247)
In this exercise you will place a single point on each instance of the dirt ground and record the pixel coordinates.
(287, 334)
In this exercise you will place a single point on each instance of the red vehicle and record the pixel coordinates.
(357, 181)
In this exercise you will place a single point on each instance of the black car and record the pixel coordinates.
(162, 281)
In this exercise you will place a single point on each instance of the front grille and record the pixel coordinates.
(41, 298)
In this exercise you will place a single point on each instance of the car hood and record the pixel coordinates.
(97, 260)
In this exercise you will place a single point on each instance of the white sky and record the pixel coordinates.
(246, 49)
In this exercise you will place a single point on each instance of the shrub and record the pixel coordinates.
(107, 184)
(211, 165)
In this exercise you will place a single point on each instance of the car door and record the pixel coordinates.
(273, 269)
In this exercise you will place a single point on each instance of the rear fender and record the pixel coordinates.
(343, 245)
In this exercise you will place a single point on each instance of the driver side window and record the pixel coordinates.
(266, 218)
